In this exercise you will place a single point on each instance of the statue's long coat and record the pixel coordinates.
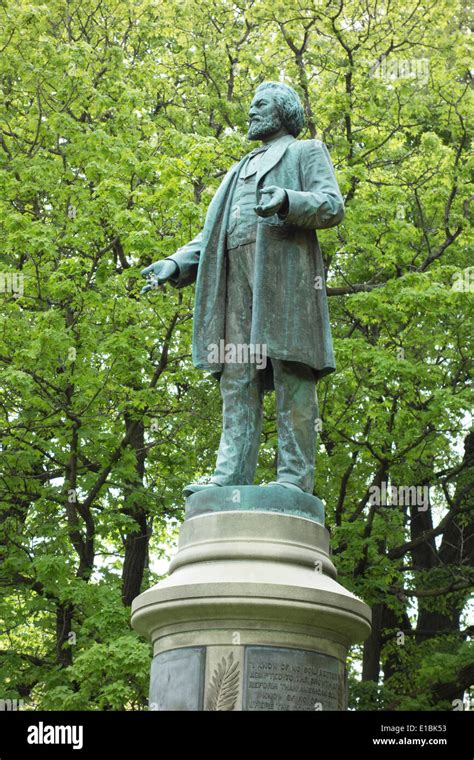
(289, 310)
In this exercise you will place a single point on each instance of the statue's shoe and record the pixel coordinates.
(285, 484)
(195, 487)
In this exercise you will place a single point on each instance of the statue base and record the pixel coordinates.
(271, 498)
(250, 617)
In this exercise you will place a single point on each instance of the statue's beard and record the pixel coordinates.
(263, 127)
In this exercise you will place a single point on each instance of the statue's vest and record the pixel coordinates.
(242, 228)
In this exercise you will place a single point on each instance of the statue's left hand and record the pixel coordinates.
(272, 199)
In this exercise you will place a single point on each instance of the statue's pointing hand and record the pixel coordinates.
(272, 200)
(157, 274)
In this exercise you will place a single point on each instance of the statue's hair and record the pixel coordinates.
(288, 104)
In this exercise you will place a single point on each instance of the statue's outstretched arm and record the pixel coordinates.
(179, 270)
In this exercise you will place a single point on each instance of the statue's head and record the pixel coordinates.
(275, 105)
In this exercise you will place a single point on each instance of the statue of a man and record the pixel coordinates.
(261, 318)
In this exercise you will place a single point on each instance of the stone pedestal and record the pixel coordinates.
(251, 616)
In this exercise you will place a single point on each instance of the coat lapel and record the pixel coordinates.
(273, 155)
(217, 204)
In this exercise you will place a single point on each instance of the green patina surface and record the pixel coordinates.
(259, 277)
(255, 499)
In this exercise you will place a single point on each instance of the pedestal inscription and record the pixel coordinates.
(290, 679)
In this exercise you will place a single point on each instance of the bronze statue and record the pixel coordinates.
(261, 317)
